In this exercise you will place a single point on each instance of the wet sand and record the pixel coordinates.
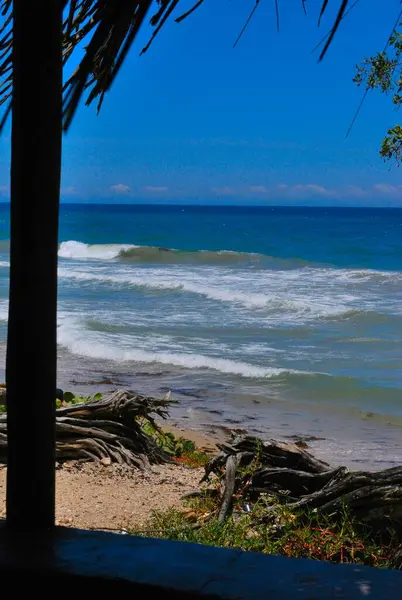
(340, 435)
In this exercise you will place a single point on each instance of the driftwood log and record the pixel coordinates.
(107, 430)
(294, 477)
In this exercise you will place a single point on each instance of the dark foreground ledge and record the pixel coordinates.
(113, 562)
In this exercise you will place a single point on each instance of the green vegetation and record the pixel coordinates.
(70, 399)
(181, 450)
(383, 72)
(281, 532)
(264, 522)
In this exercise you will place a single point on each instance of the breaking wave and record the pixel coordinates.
(160, 255)
(74, 337)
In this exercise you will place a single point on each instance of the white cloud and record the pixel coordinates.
(354, 190)
(258, 189)
(155, 189)
(226, 190)
(385, 188)
(311, 188)
(120, 188)
(347, 191)
(69, 191)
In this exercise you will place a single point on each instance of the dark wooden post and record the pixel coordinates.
(35, 187)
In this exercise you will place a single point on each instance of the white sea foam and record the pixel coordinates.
(235, 306)
(284, 301)
(73, 249)
(3, 311)
(73, 336)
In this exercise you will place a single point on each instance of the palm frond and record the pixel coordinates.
(108, 28)
(322, 11)
(6, 45)
(335, 26)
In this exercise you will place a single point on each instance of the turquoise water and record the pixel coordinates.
(271, 318)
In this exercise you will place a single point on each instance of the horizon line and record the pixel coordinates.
(220, 205)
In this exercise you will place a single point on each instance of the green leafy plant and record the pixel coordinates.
(70, 399)
(383, 71)
(181, 450)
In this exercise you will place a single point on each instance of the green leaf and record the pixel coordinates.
(68, 396)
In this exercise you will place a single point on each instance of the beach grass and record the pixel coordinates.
(269, 526)
(303, 535)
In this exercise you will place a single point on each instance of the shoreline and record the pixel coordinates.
(348, 435)
(364, 443)
(203, 442)
(338, 434)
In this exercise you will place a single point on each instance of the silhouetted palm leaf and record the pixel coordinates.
(108, 28)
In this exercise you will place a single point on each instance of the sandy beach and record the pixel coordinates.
(92, 496)
(110, 497)
(95, 496)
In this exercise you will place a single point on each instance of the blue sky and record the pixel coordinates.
(194, 120)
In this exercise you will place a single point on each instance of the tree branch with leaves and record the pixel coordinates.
(383, 72)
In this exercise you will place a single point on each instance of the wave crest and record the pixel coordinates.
(160, 255)
(73, 249)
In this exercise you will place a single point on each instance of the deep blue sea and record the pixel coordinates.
(280, 320)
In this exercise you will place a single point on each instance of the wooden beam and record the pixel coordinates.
(127, 566)
(35, 187)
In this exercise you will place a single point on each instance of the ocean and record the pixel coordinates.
(280, 321)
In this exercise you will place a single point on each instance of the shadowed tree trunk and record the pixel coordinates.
(35, 185)
(286, 474)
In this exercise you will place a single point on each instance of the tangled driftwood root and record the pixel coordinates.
(107, 430)
(295, 478)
